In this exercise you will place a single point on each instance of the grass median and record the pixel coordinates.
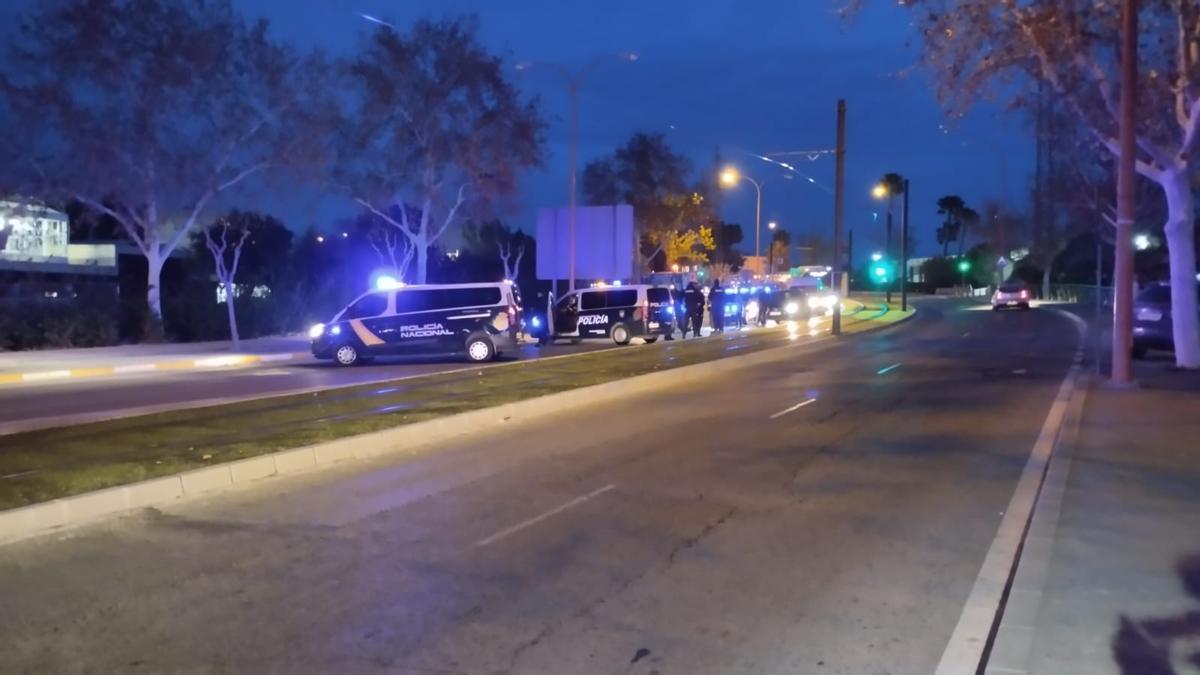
(41, 465)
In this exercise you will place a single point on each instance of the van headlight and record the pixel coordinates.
(316, 331)
(791, 308)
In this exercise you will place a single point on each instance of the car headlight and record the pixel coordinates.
(316, 331)
(792, 308)
(814, 301)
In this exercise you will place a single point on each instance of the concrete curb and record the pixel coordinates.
(68, 512)
(974, 636)
(220, 361)
(1013, 645)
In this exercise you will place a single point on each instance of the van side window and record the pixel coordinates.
(626, 298)
(367, 306)
(450, 298)
(659, 295)
(593, 300)
(413, 301)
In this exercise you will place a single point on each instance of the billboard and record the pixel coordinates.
(604, 242)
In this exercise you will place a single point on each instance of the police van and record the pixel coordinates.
(620, 313)
(478, 320)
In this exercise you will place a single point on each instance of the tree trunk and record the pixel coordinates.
(422, 259)
(1046, 279)
(154, 265)
(1181, 250)
(233, 329)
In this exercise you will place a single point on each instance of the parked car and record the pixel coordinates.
(620, 313)
(1010, 294)
(1152, 327)
(478, 320)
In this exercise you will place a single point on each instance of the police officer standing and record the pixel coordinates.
(693, 299)
(716, 306)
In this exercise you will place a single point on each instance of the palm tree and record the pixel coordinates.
(950, 206)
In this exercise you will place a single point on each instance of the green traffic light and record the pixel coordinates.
(881, 271)
(963, 266)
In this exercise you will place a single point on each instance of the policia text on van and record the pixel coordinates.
(480, 320)
(620, 313)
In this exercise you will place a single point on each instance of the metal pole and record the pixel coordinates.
(757, 219)
(838, 187)
(1099, 277)
(849, 259)
(1122, 342)
(888, 246)
(904, 251)
(574, 88)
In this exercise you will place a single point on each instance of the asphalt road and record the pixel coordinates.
(827, 514)
(56, 402)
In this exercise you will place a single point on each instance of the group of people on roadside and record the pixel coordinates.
(690, 314)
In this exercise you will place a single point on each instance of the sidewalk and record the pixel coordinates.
(36, 365)
(1122, 588)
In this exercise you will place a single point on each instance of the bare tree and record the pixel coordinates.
(437, 130)
(386, 241)
(148, 110)
(225, 240)
(511, 271)
(981, 49)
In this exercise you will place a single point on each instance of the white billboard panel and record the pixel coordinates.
(604, 242)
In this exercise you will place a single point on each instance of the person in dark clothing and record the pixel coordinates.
(693, 298)
(716, 306)
(681, 316)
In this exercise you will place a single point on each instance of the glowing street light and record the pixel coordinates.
(729, 177)
(876, 257)
(772, 225)
(1141, 242)
(879, 191)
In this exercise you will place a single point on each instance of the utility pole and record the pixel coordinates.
(1122, 342)
(849, 260)
(904, 251)
(838, 188)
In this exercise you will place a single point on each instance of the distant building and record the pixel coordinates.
(37, 259)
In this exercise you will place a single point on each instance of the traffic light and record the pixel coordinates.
(881, 272)
(964, 266)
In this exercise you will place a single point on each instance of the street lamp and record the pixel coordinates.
(876, 257)
(729, 178)
(574, 80)
(891, 185)
(1141, 242)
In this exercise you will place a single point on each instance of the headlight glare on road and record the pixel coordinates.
(316, 331)
(792, 308)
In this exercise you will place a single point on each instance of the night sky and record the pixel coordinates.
(747, 77)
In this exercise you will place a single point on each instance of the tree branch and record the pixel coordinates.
(402, 227)
(121, 218)
(453, 212)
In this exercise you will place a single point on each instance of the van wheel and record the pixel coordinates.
(651, 340)
(620, 334)
(480, 349)
(346, 355)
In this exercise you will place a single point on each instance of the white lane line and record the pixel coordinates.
(884, 371)
(794, 408)
(46, 375)
(539, 518)
(134, 368)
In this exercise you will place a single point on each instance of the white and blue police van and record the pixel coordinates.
(478, 320)
(619, 313)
